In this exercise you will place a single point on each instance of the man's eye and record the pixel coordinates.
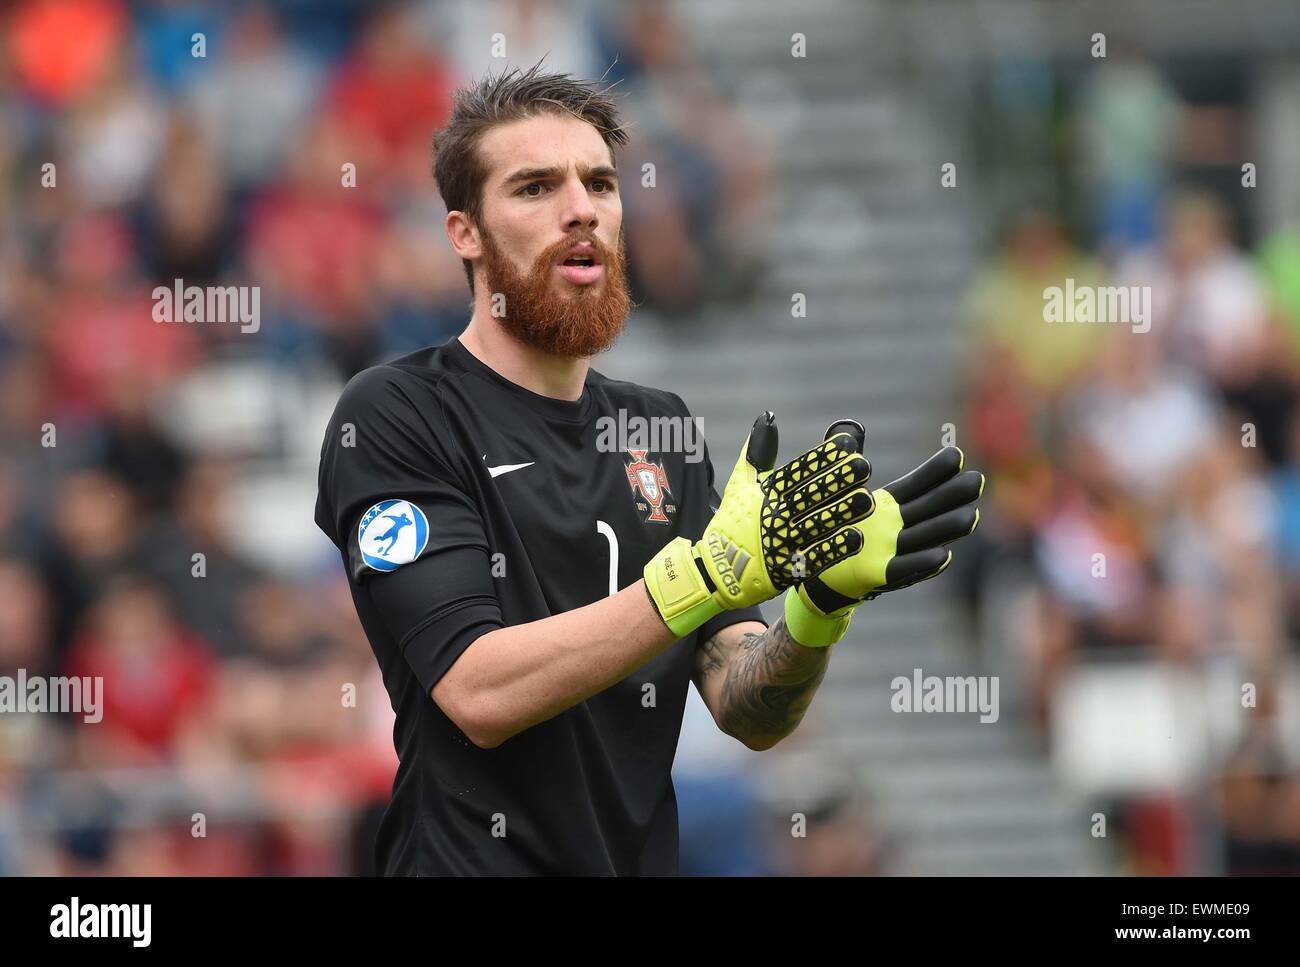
(528, 189)
(603, 185)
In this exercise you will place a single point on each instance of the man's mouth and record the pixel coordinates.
(581, 267)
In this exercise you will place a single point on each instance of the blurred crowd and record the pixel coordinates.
(285, 145)
(1145, 485)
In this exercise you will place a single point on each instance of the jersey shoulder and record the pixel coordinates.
(386, 421)
(400, 388)
(385, 381)
(395, 406)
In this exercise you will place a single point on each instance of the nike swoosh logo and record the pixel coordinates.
(505, 467)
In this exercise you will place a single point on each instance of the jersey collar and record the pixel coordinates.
(568, 411)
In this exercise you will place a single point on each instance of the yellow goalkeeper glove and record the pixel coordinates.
(773, 528)
(902, 544)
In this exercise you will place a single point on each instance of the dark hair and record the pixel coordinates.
(510, 96)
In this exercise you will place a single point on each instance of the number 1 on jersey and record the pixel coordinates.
(604, 528)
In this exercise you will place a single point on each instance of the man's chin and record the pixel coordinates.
(560, 316)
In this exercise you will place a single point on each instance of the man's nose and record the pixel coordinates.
(579, 211)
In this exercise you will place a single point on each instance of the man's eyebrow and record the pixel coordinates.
(555, 171)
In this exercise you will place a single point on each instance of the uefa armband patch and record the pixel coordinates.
(392, 533)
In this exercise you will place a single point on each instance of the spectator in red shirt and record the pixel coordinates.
(388, 97)
(156, 674)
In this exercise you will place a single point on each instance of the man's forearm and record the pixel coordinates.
(512, 678)
(769, 682)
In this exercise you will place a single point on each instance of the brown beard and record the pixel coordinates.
(578, 325)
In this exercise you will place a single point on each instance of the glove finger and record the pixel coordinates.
(761, 445)
(938, 531)
(965, 488)
(944, 465)
(908, 569)
(853, 428)
(823, 521)
(822, 490)
(812, 560)
(803, 468)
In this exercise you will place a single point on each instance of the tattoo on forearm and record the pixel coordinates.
(771, 681)
(714, 659)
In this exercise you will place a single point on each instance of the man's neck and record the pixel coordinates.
(559, 377)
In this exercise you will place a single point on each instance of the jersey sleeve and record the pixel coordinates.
(412, 539)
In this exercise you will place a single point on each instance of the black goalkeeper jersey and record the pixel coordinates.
(462, 502)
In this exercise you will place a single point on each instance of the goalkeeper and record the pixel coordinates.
(538, 602)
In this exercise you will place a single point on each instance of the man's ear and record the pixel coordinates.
(463, 235)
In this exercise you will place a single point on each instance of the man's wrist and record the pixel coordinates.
(678, 589)
(653, 603)
(810, 628)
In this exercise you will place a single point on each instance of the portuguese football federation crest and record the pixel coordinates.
(649, 482)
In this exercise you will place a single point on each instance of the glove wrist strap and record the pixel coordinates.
(678, 588)
(810, 629)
